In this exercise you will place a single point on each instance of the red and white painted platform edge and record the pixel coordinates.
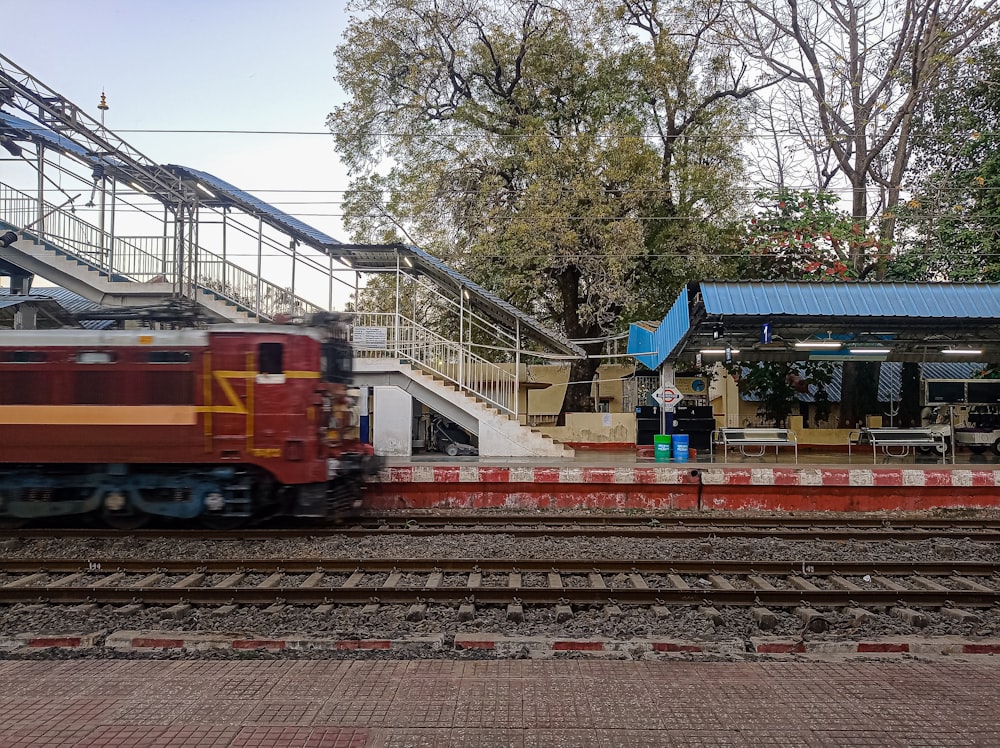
(694, 473)
(499, 646)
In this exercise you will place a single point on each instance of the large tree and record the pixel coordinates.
(860, 70)
(514, 140)
(951, 223)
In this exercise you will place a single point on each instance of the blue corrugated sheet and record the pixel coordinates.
(49, 137)
(930, 300)
(62, 297)
(222, 189)
(654, 347)
(73, 303)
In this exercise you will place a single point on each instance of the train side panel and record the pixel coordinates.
(223, 423)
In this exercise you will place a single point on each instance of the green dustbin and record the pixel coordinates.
(661, 447)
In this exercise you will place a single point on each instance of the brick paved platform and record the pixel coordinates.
(517, 703)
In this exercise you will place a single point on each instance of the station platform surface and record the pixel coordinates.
(516, 703)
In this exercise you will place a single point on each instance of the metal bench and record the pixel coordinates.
(897, 443)
(758, 438)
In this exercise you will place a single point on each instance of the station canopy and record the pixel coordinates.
(814, 321)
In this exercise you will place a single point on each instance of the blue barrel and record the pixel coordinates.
(681, 447)
(661, 447)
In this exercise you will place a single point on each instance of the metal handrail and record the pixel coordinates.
(145, 259)
(402, 338)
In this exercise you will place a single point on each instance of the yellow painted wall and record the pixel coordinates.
(595, 428)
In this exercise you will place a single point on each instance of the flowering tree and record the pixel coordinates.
(804, 235)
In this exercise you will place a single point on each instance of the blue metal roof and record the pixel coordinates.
(928, 300)
(652, 347)
(73, 303)
(763, 319)
(271, 215)
(60, 302)
(43, 134)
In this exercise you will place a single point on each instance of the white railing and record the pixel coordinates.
(144, 259)
(378, 335)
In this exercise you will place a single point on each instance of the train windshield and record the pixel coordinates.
(338, 362)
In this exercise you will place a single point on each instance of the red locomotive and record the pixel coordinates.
(221, 424)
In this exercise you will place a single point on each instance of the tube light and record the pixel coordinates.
(718, 351)
(871, 351)
(135, 186)
(963, 351)
(818, 344)
(205, 189)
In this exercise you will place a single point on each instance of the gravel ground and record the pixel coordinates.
(389, 622)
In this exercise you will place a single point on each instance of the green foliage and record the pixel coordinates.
(952, 221)
(513, 141)
(517, 144)
(778, 385)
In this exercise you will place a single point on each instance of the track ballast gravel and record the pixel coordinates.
(389, 622)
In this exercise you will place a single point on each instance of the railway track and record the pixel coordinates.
(805, 586)
(589, 525)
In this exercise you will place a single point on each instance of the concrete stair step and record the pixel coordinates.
(505, 422)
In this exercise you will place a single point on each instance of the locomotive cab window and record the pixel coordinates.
(270, 363)
(338, 362)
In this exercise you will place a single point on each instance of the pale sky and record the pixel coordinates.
(201, 65)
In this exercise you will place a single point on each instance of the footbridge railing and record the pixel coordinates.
(146, 259)
(395, 336)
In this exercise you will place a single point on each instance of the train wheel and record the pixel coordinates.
(126, 520)
(977, 449)
(12, 523)
(996, 447)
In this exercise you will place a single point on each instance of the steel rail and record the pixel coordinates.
(803, 567)
(684, 518)
(496, 596)
(982, 532)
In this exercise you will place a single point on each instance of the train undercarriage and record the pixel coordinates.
(220, 497)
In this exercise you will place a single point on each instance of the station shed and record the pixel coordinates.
(751, 321)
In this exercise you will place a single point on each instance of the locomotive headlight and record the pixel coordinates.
(215, 502)
(114, 501)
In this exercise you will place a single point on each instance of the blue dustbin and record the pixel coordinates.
(661, 447)
(681, 447)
